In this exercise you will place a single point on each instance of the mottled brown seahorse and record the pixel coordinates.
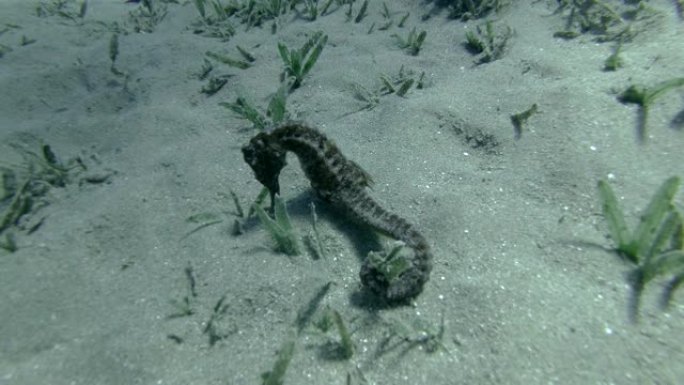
(343, 183)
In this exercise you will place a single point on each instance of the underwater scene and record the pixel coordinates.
(352, 192)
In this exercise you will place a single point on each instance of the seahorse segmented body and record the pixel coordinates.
(342, 182)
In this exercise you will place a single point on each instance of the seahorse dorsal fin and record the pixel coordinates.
(364, 178)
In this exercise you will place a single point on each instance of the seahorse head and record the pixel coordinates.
(266, 159)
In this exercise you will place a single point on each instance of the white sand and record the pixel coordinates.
(523, 278)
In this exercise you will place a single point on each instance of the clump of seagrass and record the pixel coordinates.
(399, 85)
(412, 43)
(656, 245)
(471, 9)
(67, 9)
(618, 21)
(298, 62)
(213, 23)
(24, 187)
(280, 228)
(488, 42)
(147, 16)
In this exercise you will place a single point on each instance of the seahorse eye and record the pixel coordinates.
(249, 153)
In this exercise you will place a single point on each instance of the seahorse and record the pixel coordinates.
(343, 183)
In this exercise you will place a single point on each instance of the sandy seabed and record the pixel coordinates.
(111, 284)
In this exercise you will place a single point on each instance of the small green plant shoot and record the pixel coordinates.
(306, 313)
(298, 62)
(342, 349)
(114, 53)
(276, 375)
(645, 96)
(346, 344)
(280, 228)
(614, 61)
(520, 119)
(185, 306)
(212, 328)
(236, 63)
(362, 12)
(655, 246)
(313, 241)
